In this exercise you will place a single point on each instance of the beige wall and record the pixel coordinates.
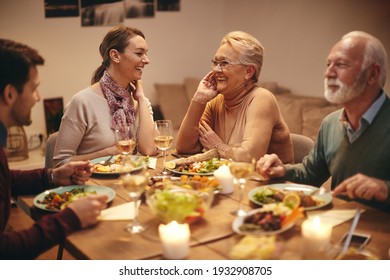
(297, 35)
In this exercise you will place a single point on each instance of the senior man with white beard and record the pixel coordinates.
(353, 142)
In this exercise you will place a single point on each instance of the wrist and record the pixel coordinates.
(50, 177)
(200, 100)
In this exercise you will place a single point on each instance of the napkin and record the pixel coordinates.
(334, 217)
(152, 162)
(122, 212)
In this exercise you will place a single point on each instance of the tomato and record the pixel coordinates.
(57, 198)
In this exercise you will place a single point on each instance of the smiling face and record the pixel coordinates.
(130, 63)
(344, 78)
(21, 109)
(233, 75)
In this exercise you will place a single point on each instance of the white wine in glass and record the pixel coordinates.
(135, 184)
(125, 139)
(126, 146)
(241, 170)
(163, 142)
(163, 137)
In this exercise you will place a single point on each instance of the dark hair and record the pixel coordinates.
(117, 38)
(16, 60)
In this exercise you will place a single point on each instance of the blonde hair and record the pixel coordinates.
(249, 48)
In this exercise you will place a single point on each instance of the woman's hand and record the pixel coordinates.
(207, 137)
(138, 90)
(207, 89)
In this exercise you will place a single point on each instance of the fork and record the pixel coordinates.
(320, 191)
(107, 161)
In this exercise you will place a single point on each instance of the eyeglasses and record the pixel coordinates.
(223, 64)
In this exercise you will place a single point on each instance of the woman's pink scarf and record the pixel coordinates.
(118, 99)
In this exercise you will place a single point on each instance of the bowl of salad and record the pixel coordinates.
(182, 202)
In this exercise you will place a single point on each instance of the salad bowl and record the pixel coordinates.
(183, 202)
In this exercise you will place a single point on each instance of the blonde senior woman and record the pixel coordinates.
(229, 112)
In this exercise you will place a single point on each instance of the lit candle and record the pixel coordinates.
(175, 240)
(316, 237)
(225, 179)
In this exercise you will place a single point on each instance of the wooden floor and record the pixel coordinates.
(20, 220)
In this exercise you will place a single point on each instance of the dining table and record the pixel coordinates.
(212, 237)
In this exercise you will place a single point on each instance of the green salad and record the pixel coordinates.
(175, 206)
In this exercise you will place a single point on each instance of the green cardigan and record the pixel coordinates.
(334, 156)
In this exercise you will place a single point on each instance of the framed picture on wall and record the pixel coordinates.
(102, 12)
(168, 5)
(61, 8)
(139, 8)
(54, 109)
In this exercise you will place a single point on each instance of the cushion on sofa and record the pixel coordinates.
(191, 84)
(173, 103)
(291, 107)
(312, 118)
(291, 112)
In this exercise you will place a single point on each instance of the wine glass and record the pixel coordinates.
(241, 167)
(135, 184)
(125, 138)
(163, 137)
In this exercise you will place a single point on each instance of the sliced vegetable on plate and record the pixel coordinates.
(294, 194)
(59, 198)
(115, 165)
(273, 218)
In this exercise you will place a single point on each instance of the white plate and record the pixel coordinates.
(240, 220)
(325, 198)
(87, 188)
(98, 160)
(189, 173)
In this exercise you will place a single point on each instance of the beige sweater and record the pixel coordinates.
(250, 122)
(85, 127)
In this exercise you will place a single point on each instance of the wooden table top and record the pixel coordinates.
(211, 238)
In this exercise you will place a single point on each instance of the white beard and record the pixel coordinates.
(344, 93)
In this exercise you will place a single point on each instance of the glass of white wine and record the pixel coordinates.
(135, 184)
(163, 137)
(125, 138)
(241, 167)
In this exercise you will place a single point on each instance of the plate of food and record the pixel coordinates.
(201, 168)
(203, 164)
(57, 199)
(296, 193)
(273, 218)
(188, 182)
(115, 166)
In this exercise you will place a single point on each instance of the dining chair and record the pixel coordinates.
(302, 145)
(50, 145)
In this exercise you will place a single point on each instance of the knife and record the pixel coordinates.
(351, 231)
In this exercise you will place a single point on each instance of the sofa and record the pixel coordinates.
(302, 114)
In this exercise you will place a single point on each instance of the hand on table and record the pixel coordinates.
(75, 172)
(270, 166)
(88, 208)
(362, 186)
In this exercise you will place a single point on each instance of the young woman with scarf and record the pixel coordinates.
(115, 98)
